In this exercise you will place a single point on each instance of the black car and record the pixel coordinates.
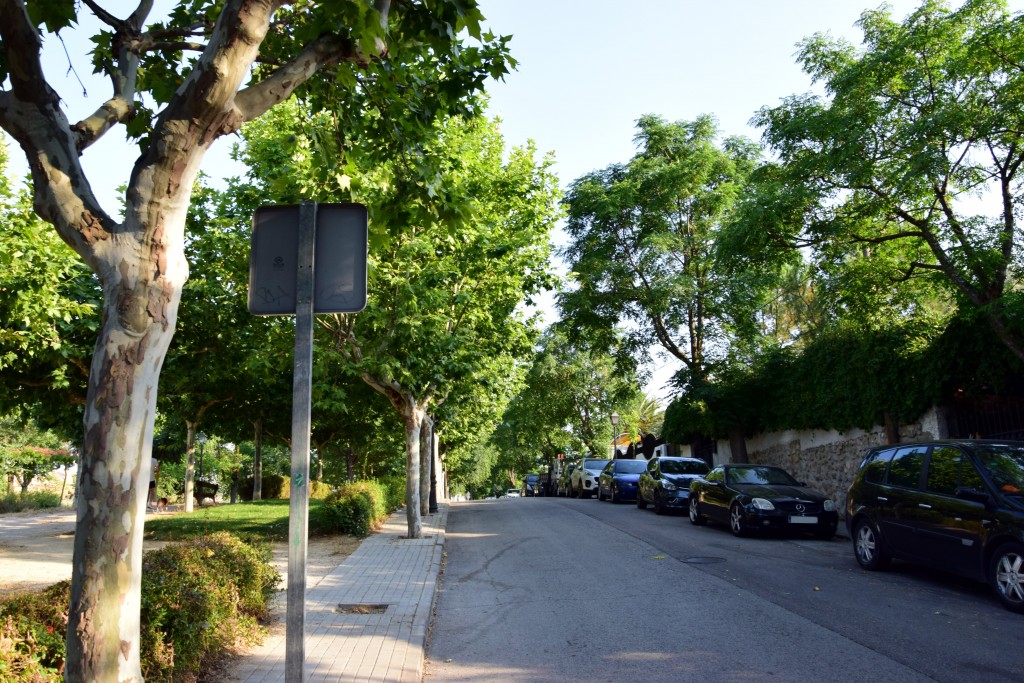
(665, 483)
(753, 497)
(954, 505)
(532, 487)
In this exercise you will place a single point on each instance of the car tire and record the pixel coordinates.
(613, 495)
(600, 496)
(868, 548)
(696, 518)
(641, 504)
(1006, 574)
(736, 524)
(659, 505)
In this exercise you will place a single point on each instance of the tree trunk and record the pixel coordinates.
(738, 445)
(426, 463)
(190, 464)
(257, 460)
(140, 308)
(413, 418)
(350, 464)
(892, 428)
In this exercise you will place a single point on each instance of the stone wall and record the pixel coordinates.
(828, 460)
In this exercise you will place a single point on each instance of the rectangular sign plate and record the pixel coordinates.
(339, 261)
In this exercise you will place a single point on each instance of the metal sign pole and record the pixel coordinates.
(298, 510)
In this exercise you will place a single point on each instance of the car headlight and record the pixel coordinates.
(669, 486)
(762, 504)
(829, 505)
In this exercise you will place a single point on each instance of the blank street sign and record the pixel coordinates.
(339, 259)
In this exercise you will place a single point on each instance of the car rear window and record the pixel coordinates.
(683, 467)
(630, 466)
(906, 466)
(875, 464)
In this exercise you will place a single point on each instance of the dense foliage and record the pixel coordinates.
(850, 377)
(199, 600)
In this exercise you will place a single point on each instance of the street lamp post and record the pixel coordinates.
(201, 438)
(615, 431)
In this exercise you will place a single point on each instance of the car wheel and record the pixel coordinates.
(696, 518)
(1007, 575)
(613, 496)
(659, 505)
(867, 546)
(736, 524)
(641, 504)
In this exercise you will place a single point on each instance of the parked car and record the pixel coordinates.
(954, 505)
(564, 484)
(665, 483)
(619, 478)
(512, 493)
(583, 483)
(532, 486)
(754, 497)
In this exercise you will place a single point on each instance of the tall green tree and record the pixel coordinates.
(642, 244)
(907, 170)
(177, 86)
(447, 286)
(49, 314)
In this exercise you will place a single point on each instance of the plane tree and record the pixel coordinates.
(176, 86)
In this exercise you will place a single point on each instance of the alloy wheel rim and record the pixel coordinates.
(737, 523)
(866, 544)
(1010, 577)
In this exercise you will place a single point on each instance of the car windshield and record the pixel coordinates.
(683, 467)
(595, 466)
(630, 466)
(760, 475)
(531, 478)
(1005, 465)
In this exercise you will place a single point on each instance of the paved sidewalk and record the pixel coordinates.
(386, 570)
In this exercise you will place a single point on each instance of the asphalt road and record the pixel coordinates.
(555, 589)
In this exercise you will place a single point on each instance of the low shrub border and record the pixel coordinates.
(199, 599)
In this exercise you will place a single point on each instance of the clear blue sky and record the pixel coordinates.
(588, 69)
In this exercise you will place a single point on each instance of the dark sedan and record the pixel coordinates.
(665, 483)
(618, 480)
(753, 497)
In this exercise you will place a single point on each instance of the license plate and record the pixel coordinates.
(803, 520)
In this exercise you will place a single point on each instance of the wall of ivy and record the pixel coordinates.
(849, 377)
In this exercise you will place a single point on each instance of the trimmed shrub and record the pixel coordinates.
(32, 629)
(199, 599)
(319, 490)
(274, 486)
(356, 508)
(394, 489)
(33, 500)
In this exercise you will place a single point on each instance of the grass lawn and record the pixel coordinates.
(262, 520)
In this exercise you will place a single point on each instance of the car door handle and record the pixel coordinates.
(924, 505)
(883, 499)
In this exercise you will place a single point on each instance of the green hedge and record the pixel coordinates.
(274, 486)
(199, 599)
(845, 378)
(356, 508)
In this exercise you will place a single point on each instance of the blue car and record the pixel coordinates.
(619, 480)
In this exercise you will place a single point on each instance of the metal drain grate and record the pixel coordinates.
(361, 608)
